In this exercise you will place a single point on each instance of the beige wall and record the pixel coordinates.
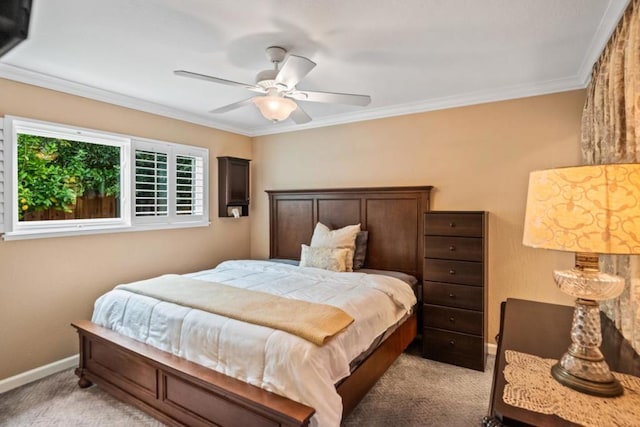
(47, 283)
(477, 158)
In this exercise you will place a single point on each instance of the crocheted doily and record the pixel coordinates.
(530, 386)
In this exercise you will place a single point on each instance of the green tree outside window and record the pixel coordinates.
(53, 173)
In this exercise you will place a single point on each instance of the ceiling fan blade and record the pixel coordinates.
(207, 78)
(331, 97)
(233, 106)
(300, 116)
(294, 69)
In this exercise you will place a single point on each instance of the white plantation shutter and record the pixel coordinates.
(151, 184)
(170, 183)
(189, 185)
(2, 175)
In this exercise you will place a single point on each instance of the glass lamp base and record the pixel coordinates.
(610, 388)
(583, 367)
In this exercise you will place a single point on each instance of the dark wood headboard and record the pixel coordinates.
(392, 215)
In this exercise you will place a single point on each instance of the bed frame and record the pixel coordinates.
(179, 392)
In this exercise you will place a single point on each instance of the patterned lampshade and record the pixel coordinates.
(593, 209)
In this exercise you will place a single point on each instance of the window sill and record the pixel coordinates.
(67, 232)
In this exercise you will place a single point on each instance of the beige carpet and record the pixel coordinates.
(419, 392)
(413, 392)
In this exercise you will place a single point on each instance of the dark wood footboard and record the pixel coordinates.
(179, 392)
(174, 390)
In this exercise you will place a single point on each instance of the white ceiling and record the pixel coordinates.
(408, 55)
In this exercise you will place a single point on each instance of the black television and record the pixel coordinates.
(14, 23)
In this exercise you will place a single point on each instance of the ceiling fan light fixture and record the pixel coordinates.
(275, 108)
(278, 86)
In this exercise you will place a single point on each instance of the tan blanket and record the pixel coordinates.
(314, 322)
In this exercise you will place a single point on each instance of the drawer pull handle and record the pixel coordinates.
(452, 224)
(452, 319)
(452, 272)
(452, 295)
(452, 248)
(452, 342)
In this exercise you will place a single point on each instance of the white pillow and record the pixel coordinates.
(334, 259)
(344, 237)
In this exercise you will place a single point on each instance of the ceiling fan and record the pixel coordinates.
(277, 89)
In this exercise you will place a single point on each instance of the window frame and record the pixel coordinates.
(155, 147)
(172, 151)
(128, 221)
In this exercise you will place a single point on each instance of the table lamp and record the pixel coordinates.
(588, 210)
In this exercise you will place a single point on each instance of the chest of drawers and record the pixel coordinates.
(454, 288)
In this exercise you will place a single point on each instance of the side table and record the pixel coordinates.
(543, 330)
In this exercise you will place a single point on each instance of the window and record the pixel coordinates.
(169, 183)
(2, 175)
(61, 181)
(152, 185)
(189, 185)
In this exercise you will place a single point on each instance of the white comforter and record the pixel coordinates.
(273, 360)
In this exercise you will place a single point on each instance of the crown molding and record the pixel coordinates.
(24, 75)
(462, 100)
(499, 94)
(608, 23)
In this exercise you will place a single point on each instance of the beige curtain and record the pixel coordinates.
(611, 134)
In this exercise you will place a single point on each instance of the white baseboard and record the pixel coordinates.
(38, 373)
(492, 349)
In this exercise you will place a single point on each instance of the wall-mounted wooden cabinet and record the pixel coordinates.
(233, 186)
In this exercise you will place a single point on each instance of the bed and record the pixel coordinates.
(180, 392)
